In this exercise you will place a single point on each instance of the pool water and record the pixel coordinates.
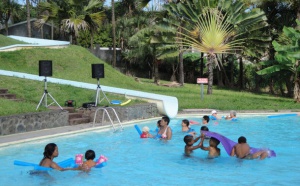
(135, 161)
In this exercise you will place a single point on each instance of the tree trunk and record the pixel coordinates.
(156, 75)
(201, 64)
(113, 22)
(241, 73)
(28, 18)
(297, 91)
(92, 40)
(271, 85)
(289, 86)
(52, 30)
(181, 71)
(210, 74)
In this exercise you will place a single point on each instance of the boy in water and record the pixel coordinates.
(89, 156)
(189, 141)
(205, 120)
(213, 150)
(242, 150)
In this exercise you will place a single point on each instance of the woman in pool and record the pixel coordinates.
(165, 131)
(51, 152)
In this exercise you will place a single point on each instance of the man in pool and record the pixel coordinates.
(232, 115)
(242, 150)
(189, 142)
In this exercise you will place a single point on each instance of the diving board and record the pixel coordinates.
(167, 105)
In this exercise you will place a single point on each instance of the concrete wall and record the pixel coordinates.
(106, 54)
(32, 121)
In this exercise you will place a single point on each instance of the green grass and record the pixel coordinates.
(74, 63)
(6, 41)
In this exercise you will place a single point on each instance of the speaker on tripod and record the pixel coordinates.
(45, 69)
(98, 72)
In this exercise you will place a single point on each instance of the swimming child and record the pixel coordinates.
(146, 133)
(51, 152)
(242, 150)
(213, 150)
(89, 156)
(185, 127)
(205, 120)
(189, 141)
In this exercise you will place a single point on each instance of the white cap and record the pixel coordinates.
(213, 112)
(145, 129)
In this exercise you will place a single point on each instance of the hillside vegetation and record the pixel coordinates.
(74, 63)
(6, 41)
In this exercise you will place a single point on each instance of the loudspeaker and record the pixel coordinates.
(97, 70)
(45, 68)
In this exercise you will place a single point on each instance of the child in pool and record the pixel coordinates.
(89, 156)
(51, 152)
(242, 150)
(213, 150)
(185, 127)
(146, 133)
(189, 141)
(204, 128)
(205, 120)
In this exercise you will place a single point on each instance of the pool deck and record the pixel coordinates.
(60, 131)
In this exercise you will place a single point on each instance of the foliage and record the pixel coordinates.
(287, 58)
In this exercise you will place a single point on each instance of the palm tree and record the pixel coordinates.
(287, 58)
(217, 27)
(28, 18)
(8, 8)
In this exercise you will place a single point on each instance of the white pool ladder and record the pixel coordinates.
(105, 112)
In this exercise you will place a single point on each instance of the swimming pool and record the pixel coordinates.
(135, 161)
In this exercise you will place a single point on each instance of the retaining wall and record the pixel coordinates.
(57, 118)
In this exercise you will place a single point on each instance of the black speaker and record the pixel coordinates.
(97, 70)
(45, 68)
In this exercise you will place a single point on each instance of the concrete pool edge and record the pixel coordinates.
(20, 138)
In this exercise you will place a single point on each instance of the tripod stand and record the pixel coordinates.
(44, 97)
(98, 94)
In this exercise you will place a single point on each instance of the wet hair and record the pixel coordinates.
(233, 112)
(90, 155)
(166, 119)
(205, 128)
(185, 121)
(49, 149)
(158, 122)
(242, 139)
(215, 141)
(187, 139)
(206, 118)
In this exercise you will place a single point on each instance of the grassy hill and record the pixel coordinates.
(6, 41)
(74, 63)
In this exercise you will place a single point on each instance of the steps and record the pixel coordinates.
(75, 117)
(4, 94)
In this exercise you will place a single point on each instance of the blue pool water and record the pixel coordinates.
(135, 161)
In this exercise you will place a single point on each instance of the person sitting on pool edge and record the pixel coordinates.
(185, 127)
(165, 131)
(189, 142)
(232, 116)
(205, 120)
(214, 115)
(242, 150)
(213, 150)
(51, 152)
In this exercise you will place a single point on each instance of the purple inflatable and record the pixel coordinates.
(228, 144)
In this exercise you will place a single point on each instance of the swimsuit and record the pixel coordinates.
(163, 135)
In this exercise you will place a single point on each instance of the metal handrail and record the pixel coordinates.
(111, 121)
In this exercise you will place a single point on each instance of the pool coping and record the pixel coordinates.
(19, 138)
